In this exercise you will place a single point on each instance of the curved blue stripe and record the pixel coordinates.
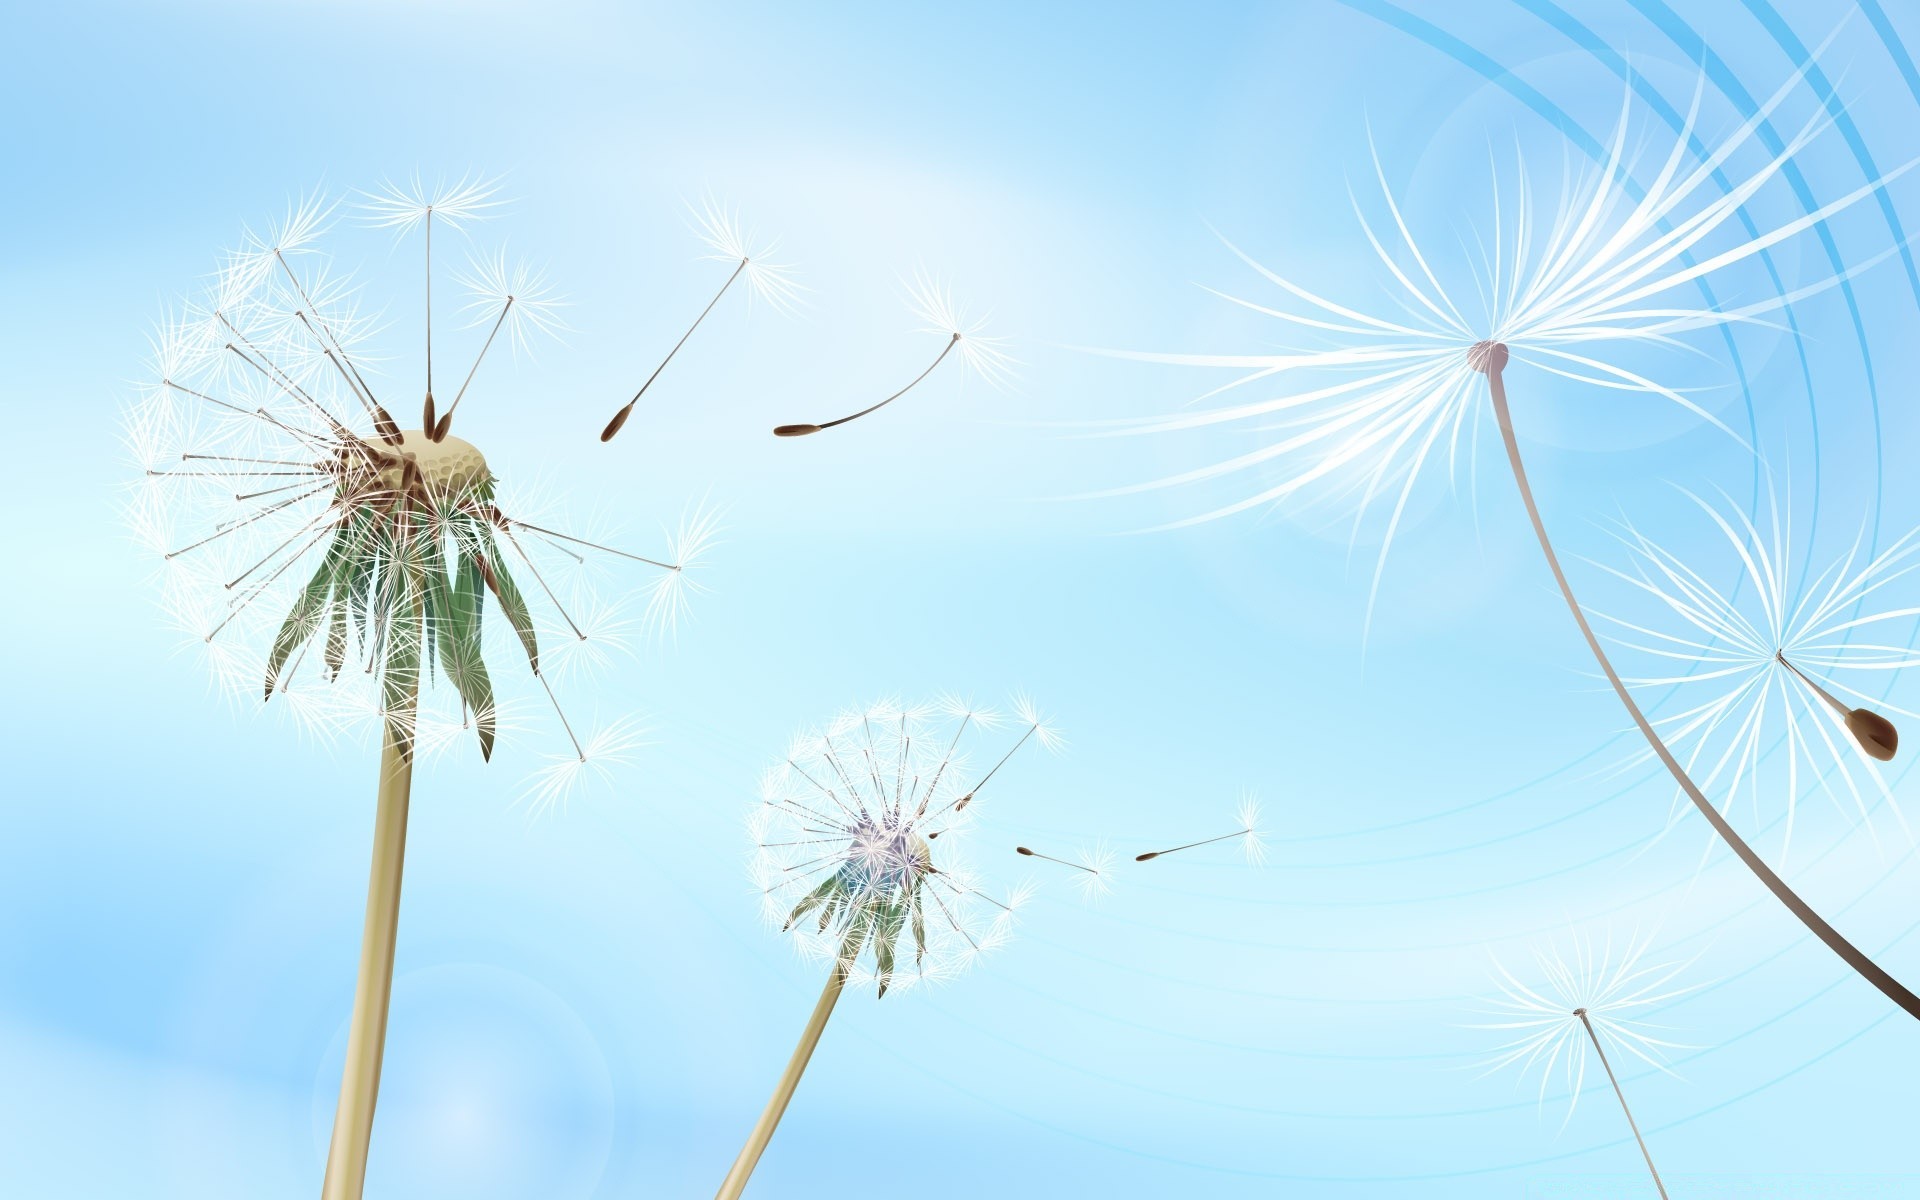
(1585, 38)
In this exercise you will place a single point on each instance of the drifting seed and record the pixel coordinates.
(1877, 736)
(614, 426)
(794, 430)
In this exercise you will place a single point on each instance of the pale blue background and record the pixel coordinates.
(588, 1006)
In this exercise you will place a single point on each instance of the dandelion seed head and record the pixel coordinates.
(315, 555)
(859, 845)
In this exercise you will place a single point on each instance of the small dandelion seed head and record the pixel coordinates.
(859, 845)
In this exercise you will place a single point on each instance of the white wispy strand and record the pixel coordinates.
(671, 593)
(402, 206)
(1362, 414)
(1616, 985)
(983, 355)
(518, 291)
(729, 241)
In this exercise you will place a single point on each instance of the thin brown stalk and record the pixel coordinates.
(1492, 359)
(1631, 1123)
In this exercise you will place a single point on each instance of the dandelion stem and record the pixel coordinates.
(620, 418)
(1631, 1124)
(1491, 359)
(803, 430)
(1050, 858)
(384, 423)
(439, 431)
(736, 1180)
(1832, 701)
(430, 420)
(367, 1035)
(567, 537)
(1152, 854)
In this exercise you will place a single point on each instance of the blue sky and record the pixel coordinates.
(587, 1005)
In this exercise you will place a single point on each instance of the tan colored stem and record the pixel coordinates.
(367, 1036)
(1869, 970)
(736, 1181)
(1631, 1124)
(1831, 700)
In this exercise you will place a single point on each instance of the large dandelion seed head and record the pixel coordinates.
(859, 843)
(1546, 1010)
(319, 554)
(1769, 664)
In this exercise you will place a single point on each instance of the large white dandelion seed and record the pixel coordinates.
(1771, 662)
(1564, 288)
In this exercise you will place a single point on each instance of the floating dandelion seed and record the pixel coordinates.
(845, 861)
(771, 281)
(1248, 831)
(1094, 870)
(933, 303)
(320, 554)
(402, 208)
(1759, 663)
(1610, 271)
(1586, 998)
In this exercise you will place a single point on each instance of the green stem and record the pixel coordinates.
(736, 1181)
(1869, 970)
(367, 1036)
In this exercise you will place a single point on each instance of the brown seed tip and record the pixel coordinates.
(1876, 735)
(1488, 358)
(428, 415)
(613, 426)
(1579, 1012)
(963, 802)
(1023, 850)
(794, 430)
(1144, 857)
(440, 430)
